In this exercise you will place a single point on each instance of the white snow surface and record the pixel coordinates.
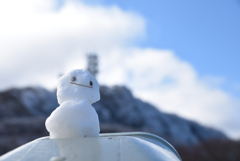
(75, 117)
(67, 91)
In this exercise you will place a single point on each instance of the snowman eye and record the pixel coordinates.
(91, 83)
(73, 79)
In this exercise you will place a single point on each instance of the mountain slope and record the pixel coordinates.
(118, 111)
(118, 106)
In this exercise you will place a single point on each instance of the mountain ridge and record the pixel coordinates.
(23, 112)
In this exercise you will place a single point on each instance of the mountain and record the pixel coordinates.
(23, 113)
(30, 101)
(118, 106)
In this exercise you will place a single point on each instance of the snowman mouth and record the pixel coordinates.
(80, 85)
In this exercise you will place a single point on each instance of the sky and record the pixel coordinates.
(180, 56)
(202, 32)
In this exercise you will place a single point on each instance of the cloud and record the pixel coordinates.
(173, 85)
(39, 41)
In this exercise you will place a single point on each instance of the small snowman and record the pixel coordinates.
(75, 117)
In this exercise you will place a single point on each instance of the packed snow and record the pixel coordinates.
(75, 117)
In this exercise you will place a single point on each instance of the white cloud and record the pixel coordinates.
(173, 85)
(39, 41)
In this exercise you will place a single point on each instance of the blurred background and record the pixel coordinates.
(166, 67)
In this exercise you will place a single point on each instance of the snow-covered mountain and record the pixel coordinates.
(118, 111)
(31, 101)
(118, 107)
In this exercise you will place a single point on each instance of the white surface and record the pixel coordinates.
(105, 148)
(67, 91)
(75, 117)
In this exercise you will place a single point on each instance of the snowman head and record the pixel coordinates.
(78, 84)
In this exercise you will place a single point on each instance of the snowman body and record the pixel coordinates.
(75, 117)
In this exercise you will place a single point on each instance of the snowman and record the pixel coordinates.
(75, 117)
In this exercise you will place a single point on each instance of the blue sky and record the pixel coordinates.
(205, 33)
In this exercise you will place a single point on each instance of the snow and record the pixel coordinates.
(124, 110)
(67, 91)
(75, 117)
(38, 101)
